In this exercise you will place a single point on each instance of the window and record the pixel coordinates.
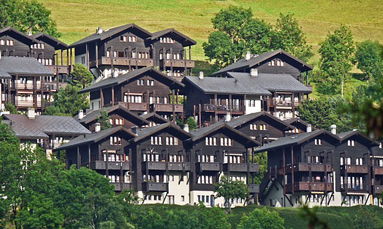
(318, 142)
(156, 140)
(123, 39)
(115, 140)
(132, 39)
(226, 142)
(83, 60)
(183, 198)
(150, 82)
(166, 40)
(140, 82)
(253, 126)
(351, 143)
(2, 42)
(262, 127)
(210, 141)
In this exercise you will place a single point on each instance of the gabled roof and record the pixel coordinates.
(111, 32)
(241, 120)
(297, 121)
(44, 125)
(146, 132)
(57, 44)
(296, 140)
(357, 134)
(10, 65)
(31, 39)
(112, 81)
(95, 114)
(257, 60)
(94, 137)
(210, 85)
(184, 40)
(206, 131)
(272, 82)
(154, 115)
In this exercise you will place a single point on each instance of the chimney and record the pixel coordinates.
(309, 128)
(115, 73)
(186, 128)
(253, 72)
(247, 56)
(227, 117)
(134, 129)
(201, 75)
(333, 129)
(80, 114)
(30, 33)
(31, 114)
(99, 30)
(97, 128)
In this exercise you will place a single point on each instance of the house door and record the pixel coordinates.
(212, 200)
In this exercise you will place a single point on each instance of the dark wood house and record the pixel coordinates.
(154, 119)
(119, 50)
(142, 90)
(299, 125)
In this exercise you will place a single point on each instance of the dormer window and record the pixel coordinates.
(350, 143)
(318, 142)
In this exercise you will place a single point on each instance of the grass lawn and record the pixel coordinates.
(79, 18)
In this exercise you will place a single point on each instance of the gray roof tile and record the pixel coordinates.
(22, 65)
(249, 117)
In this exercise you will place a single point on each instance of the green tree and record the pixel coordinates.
(104, 120)
(11, 108)
(81, 76)
(261, 160)
(229, 190)
(310, 215)
(369, 57)
(324, 112)
(68, 102)
(336, 61)
(290, 37)
(27, 16)
(191, 122)
(367, 219)
(261, 219)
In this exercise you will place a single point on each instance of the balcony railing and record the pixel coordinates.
(208, 166)
(240, 167)
(378, 170)
(155, 187)
(178, 63)
(378, 189)
(303, 186)
(60, 69)
(362, 169)
(125, 61)
(178, 108)
(103, 165)
(254, 188)
(134, 106)
(122, 186)
(222, 108)
(305, 167)
(354, 188)
(179, 166)
(154, 165)
(202, 187)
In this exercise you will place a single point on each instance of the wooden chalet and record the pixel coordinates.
(142, 90)
(299, 125)
(118, 116)
(377, 173)
(153, 119)
(119, 50)
(261, 126)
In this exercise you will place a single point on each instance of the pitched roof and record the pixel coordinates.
(256, 60)
(95, 114)
(226, 86)
(23, 66)
(295, 140)
(296, 121)
(205, 131)
(129, 76)
(44, 125)
(147, 116)
(11, 29)
(146, 132)
(110, 32)
(272, 82)
(250, 117)
(57, 44)
(186, 41)
(94, 137)
(356, 133)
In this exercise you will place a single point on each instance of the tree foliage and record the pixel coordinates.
(237, 31)
(191, 122)
(261, 219)
(367, 219)
(230, 190)
(11, 108)
(337, 56)
(310, 215)
(81, 76)
(369, 58)
(104, 120)
(27, 16)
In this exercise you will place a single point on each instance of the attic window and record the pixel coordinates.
(351, 143)
(253, 126)
(166, 40)
(2, 42)
(123, 39)
(318, 142)
(132, 39)
(280, 63)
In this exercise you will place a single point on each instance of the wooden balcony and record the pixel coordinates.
(122, 186)
(19, 103)
(125, 61)
(378, 189)
(202, 187)
(178, 108)
(208, 167)
(355, 188)
(361, 169)
(134, 106)
(111, 165)
(254, 188)
(378, 170)
(305, 167)
(154, 165)
(304, 186)
(155, 187)
(60, 69)
(179, 166)
(178, 63)
(223, 109)
(240, 167)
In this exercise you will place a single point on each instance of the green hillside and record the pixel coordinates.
(79, 18)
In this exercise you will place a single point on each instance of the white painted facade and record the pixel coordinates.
(253, 104)
(95, 104)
